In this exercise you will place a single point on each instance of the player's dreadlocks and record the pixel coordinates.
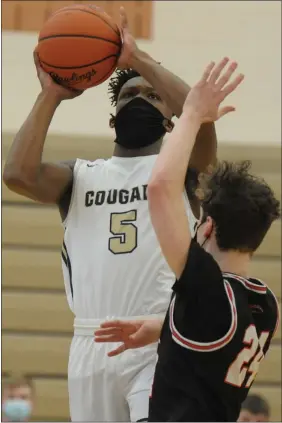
(117, 82)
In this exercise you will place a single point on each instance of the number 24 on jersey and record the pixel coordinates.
(248, 359)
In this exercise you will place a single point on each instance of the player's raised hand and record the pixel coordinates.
(132, 334)
(48, 84)
(216, 84)
(129, 46)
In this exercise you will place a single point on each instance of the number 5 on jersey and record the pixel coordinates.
(124, 240)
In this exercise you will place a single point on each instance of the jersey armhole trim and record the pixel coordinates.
(278, 312)
(67, 263)
(74, 183)
(259, 289)
(207, 346)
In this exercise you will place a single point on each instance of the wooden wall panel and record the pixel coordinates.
(30, 15)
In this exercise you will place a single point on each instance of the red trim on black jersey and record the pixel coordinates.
(259, 289)
(206, 346)
(251, 286)
(278, 312)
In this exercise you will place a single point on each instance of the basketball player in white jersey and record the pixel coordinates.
(112, 263)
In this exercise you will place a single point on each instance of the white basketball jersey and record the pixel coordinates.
(112, 261)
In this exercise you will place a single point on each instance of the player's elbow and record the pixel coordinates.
(10, 178)
(161, 185)
(158, 193)
(14, 179)
(157, 187)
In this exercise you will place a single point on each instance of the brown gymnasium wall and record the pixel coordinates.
(30, 15)
(265, 158)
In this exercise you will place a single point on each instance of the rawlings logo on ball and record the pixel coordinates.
(75, 78)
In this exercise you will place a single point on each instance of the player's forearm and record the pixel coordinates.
(171, 166)
(173, 90)
(24, 158)
(165, 192)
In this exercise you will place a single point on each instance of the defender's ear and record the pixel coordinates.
(208, 227)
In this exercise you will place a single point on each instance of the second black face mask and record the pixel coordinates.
(138, 124)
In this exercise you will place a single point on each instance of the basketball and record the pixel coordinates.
(79, 46)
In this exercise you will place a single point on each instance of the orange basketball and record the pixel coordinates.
(79, 46)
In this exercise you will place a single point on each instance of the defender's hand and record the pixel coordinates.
(133, 334)
(207, 95)
(48, 84)
(129, 46)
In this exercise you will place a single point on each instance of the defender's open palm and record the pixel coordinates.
(132, 334)
(206, 96)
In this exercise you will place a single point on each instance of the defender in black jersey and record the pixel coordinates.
(217, 330)
(220, 321)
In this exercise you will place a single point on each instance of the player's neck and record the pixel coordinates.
(233, 262)
(155, 148)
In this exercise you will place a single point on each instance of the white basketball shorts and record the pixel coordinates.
(107, 389)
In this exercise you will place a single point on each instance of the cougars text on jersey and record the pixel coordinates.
(113, 196)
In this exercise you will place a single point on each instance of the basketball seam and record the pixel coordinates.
(97, 82)
(107, 74)
(78, 67)
(88, 11)
(78, 36)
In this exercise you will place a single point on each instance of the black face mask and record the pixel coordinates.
(138, 124)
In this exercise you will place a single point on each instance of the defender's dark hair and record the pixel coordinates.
(116, 83)
(191, 182)
(255, 404)
(241, 205)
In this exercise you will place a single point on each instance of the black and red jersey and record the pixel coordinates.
(216, 332)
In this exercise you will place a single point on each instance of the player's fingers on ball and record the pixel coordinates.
(233, 85)
(78, 92)
(207, 71)
(227, 75)
(218, 69)
(123, 16)
(75, 90)
(36, 59)
(121, 31)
